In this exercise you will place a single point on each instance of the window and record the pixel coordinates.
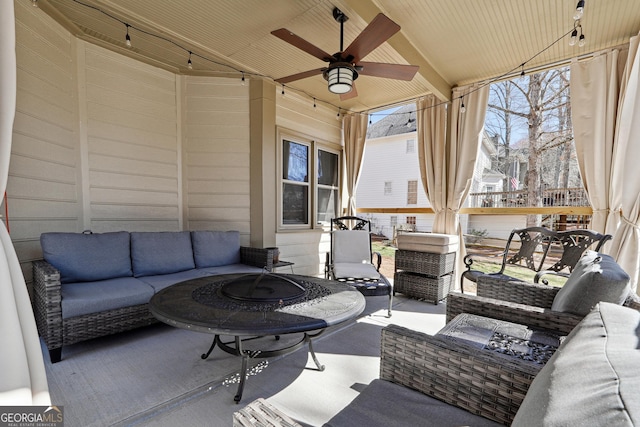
(310, 191)
(412, 192)
(295, 183)
(387, 188)
(393, 221)
(411, 146)
(328, 191)
(411, 220)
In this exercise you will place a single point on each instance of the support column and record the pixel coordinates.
(263, 179)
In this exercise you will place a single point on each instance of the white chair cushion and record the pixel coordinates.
(355, 271)
(351, 246)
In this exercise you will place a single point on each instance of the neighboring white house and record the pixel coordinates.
(390, 178)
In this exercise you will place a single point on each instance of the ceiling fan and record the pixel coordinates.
(345, 65)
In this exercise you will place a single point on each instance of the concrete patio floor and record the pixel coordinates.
(350, 353)
(154, 376)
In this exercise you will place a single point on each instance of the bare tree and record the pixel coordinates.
(541, 100)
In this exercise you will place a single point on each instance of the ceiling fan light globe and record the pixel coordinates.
(340, 80)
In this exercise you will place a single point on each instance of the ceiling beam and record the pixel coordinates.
(367, 10)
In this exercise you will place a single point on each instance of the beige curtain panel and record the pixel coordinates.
(23, 379)
(355, 133)
(606, 117)
(447, 159)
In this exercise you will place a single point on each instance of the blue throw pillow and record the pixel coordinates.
(161, 252)
(88, 257)
(216, 248)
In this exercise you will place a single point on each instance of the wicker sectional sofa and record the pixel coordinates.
(90, 285)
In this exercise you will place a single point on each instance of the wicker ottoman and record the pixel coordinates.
(424, 264)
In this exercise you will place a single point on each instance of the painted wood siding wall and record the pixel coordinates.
(43, 187)
(307, 248)
(216, 154)
(130, 147)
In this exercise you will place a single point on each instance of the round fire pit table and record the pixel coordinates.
(255, 305)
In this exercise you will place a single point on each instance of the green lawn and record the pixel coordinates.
(385, 251)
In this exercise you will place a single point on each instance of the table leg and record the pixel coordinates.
(213, 344)
(307, 338)
(243, 370)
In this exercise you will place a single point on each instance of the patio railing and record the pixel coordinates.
(520, 198)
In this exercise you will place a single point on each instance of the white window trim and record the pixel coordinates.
(314, 145)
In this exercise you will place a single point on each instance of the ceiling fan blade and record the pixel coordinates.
(302, 44)
(299, 76)
(351, 94)
(377, 32)
(390, 71)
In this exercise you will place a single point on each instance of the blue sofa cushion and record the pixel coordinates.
(93, 297)
(592, 379)
(596, 277)
(161, 252)
(88, 257)
(230, 269)
(216, 248)
(162, 281)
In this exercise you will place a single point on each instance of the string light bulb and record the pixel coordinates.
(282, 90)
(127, 38)
(314, 103)
(579, 10)
(189, 63)
(34, 3)
(370, 121)
(242, 82)
(338, 115)
(463, 109)
(581, 40)
(574, 37)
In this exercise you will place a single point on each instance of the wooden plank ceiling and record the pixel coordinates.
(455, 42)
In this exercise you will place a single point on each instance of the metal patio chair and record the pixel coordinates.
(574, 243)
(351, 259)
(524, 255)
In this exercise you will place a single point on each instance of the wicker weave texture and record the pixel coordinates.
(489, 385)
(261, 413)
(517, 291)
(541, 318)
(428, 263)
(414, 285)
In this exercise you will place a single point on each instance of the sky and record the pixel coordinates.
(378, 115)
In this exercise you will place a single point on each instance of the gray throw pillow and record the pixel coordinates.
(596, 277)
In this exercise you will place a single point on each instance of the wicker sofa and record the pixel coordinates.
(90, 285)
